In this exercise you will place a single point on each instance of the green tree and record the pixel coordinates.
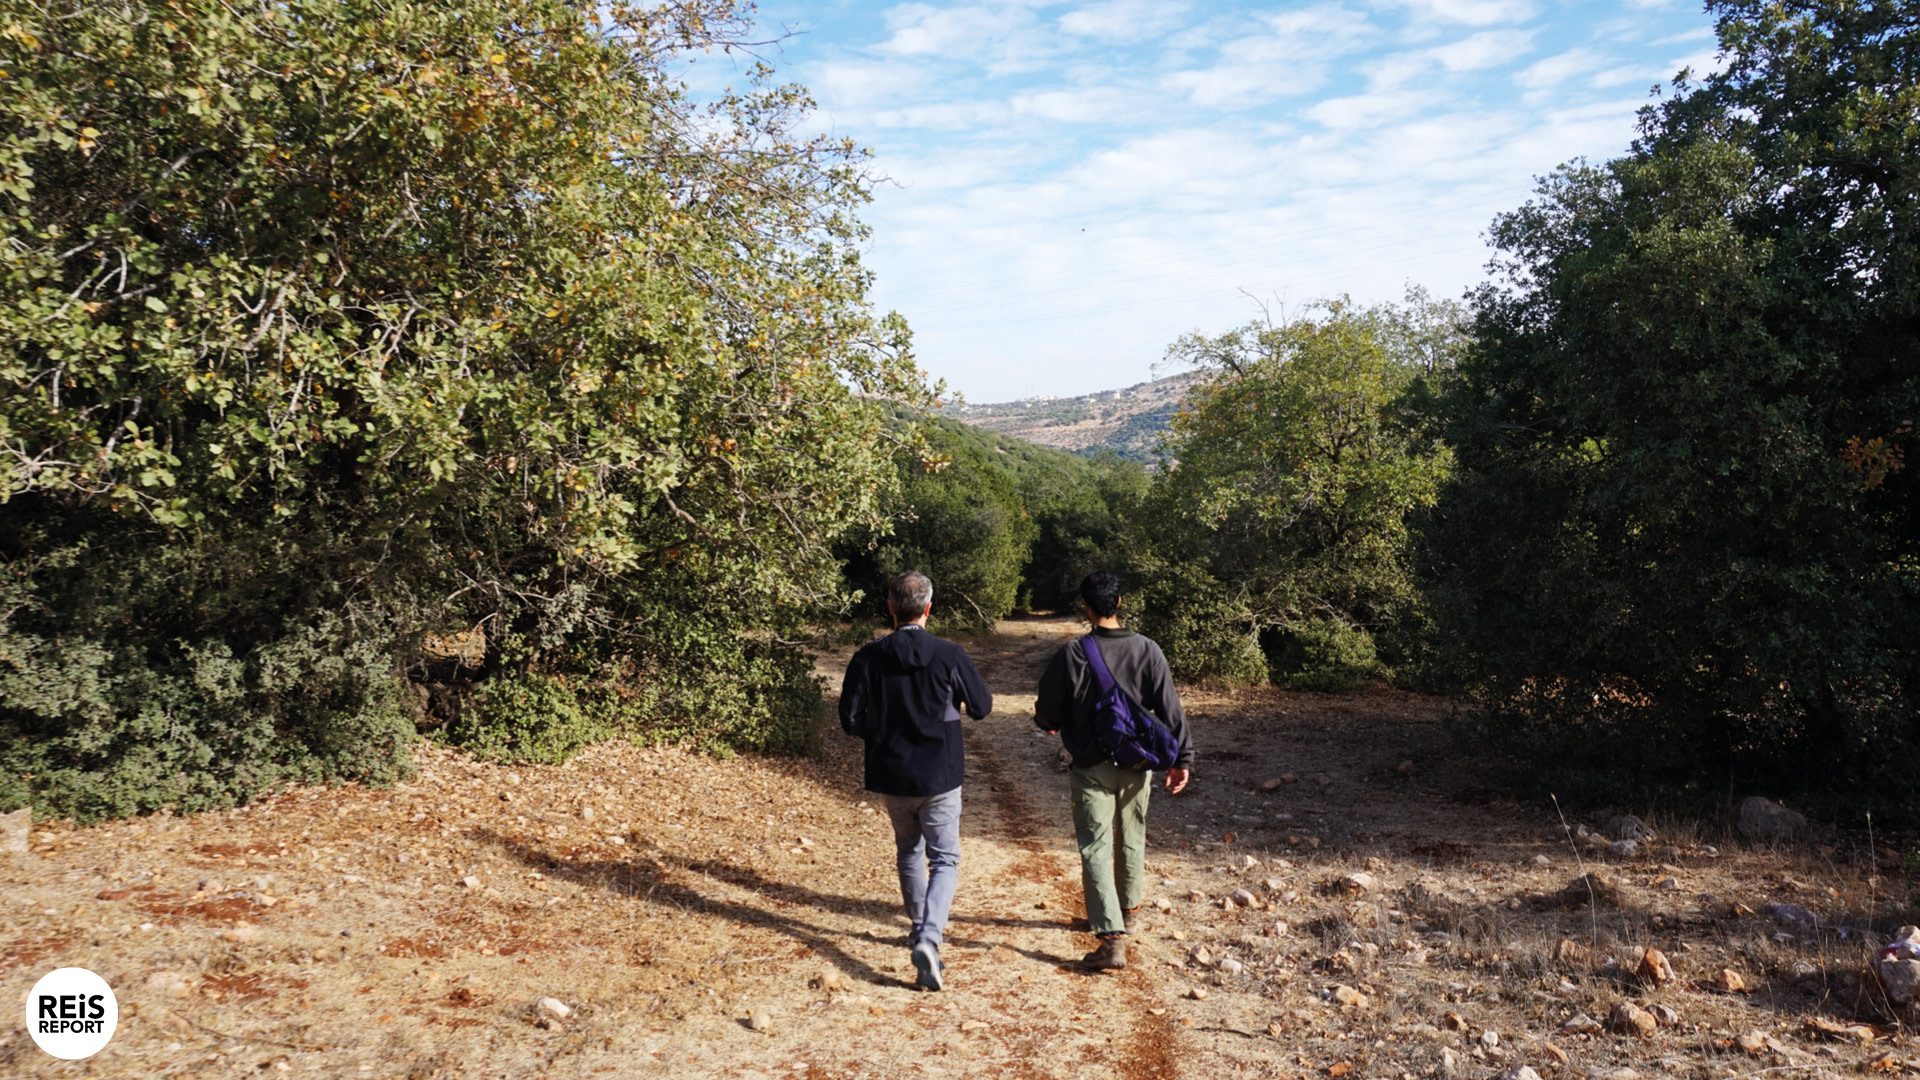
(1079, 507)
(324, 323)
(959, 518)
(1279, 528)
(1680, 536)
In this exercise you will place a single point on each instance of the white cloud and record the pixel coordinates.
(1364, 110)
(1005, 37)
(1073, 183)
(1489, 48)
(1561, 68)
(1471, 12)
(1281, 54)
(862, 84)
(1124, 20)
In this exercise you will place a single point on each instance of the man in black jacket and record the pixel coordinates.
(903, 695)
(1110, 802)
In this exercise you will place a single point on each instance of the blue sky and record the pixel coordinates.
(1075, 184)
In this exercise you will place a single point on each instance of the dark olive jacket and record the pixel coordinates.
(1065, 703)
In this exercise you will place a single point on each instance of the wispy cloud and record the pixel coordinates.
(1471, 12)
(1124, 20)
(1277, 55)
(1073, 184)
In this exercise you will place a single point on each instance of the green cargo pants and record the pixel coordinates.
(1108, 799)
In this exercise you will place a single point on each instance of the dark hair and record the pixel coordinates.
(1101, 591)
(910, 594)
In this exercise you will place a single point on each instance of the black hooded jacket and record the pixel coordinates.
(903, 695)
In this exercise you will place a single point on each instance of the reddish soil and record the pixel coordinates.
(739, 918)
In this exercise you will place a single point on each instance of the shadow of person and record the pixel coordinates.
(880, 911)
(646, 879)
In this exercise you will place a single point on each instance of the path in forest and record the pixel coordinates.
(710, 917)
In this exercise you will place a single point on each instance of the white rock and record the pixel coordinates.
(1230, 966)
(1244, 898)
(1624, 849)
(14, 830)
(1358, 883)
(1520, 1072)
(553, 1007)
(1581, 1024)
(759, 1020)
(1898, 967)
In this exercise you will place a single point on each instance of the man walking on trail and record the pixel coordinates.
(903, 695)
(1110, 800)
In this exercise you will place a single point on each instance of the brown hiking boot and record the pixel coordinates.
(1110, 956)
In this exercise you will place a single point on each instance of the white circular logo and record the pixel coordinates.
(71, 1013)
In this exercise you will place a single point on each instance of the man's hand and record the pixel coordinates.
(1176, 780)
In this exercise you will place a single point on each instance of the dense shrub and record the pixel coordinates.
(416, 317)
(528, 717)
(1282, 515)
(1323, 654)
(1680, 542)
(959, 518)
(1078, 508)
(1195, 619)
(115, 700)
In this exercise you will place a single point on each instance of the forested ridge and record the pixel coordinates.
(369, 372)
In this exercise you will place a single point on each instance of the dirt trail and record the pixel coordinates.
(740, 918)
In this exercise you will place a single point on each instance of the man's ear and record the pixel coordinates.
(891, 615)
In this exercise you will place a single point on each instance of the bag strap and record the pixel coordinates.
(1102, 678)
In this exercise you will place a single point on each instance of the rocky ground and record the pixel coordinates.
(1343, 892)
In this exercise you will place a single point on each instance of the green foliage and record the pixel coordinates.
(768, 696)
(1195, 620)
(1000, 524)
(105, 710)
(1324, 654)
(1283, 513)
(1079, 507)
(527, 717)
(959, 519)
(440, 316)
(1680, 539)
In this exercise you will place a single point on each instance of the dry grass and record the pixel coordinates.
(666, 897)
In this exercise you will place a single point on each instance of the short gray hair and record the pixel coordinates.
(911, 594)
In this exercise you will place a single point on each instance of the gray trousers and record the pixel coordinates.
(926, 842)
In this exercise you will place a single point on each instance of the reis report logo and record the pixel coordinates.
(71, 1013)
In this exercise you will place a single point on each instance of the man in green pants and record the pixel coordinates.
(1110, 802)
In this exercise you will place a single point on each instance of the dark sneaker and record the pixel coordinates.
(1110, 956)
(926, 966)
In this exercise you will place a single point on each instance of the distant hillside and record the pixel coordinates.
(1128, 422)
